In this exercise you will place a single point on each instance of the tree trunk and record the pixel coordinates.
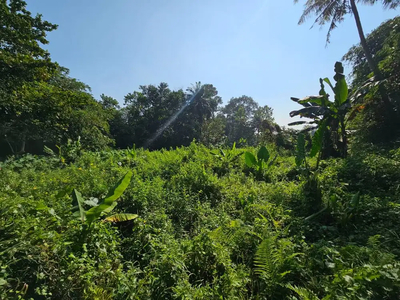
(11, 147)
(22, 150)
(372, 65)
(23, 143)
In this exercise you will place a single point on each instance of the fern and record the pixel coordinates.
(271, 257)
(267, 258)
(48, 151)
(303, 292)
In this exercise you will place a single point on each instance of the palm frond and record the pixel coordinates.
(332, 11)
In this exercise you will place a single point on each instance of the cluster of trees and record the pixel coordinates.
(39, 102)
(41, 105)
(156, 117)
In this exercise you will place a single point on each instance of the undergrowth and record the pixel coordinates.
(206, 225)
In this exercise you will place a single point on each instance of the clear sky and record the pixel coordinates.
(242, 47)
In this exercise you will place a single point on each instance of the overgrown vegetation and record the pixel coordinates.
(193, 233)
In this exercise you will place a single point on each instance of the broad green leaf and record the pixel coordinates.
(120, 218)
(118, 189)
(316, 100)
(300, 149)
(250, 159)
(110, 208)
(77, 202)
(309, 112)
(95, 212)
(263, 154)
(341, 91)
(297, 123)
(322, 91)
(260, 164)
(329, 83)
(108, 203)
(318, 139)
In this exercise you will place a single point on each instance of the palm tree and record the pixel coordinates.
(205, 102)
(333, 11)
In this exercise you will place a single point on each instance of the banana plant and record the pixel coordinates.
(104, 207)
(260, 161)
(327, 116)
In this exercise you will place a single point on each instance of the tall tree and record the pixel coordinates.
(206, 100)
(372, 121)
(22, 57)
(213, 131)
(52, 112)
(264, 125)
(155, 115)
(334, 11)
(239, 113)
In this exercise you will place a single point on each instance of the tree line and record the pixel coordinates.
(40, 104)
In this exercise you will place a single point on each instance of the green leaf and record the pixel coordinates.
(110, 208)
(77, 202)
(329, 83)
(250, 159)
(355, 200)
(116, 192)
(109, 202)
(309, 112)
(273, 160)
(120, 218)
(41, 206)
(263, 154)
(300, 150)
(341, 91)
(316, 100)
(318, 139)
(297, 123)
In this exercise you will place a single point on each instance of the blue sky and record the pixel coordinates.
(252, 48)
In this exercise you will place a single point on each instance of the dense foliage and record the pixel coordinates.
(208, 226)
(377, 120)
